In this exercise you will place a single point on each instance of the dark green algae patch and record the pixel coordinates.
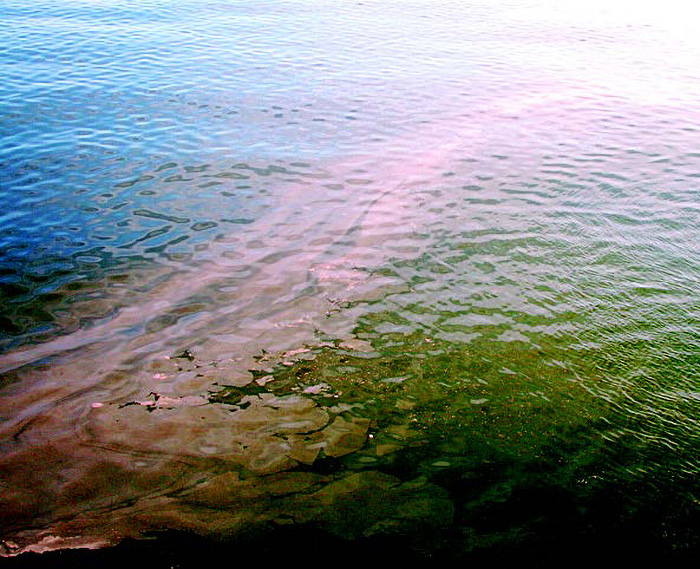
(405, 446)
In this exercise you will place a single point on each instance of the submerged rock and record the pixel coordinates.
(343, 437)
(261, 438)
(371, 503)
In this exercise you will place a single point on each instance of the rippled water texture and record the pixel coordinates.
(410, 270)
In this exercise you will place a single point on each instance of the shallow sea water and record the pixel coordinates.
(417, 274)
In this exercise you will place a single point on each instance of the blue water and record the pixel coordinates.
(129, 130)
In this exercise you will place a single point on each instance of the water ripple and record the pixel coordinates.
(501, 198)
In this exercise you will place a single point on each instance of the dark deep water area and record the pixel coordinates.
(411, 280)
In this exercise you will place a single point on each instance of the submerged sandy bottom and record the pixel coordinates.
(130, 425)
(221, 399)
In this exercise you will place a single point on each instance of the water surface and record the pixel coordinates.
(263, 260)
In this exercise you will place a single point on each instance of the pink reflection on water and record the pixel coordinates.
(78, 443)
